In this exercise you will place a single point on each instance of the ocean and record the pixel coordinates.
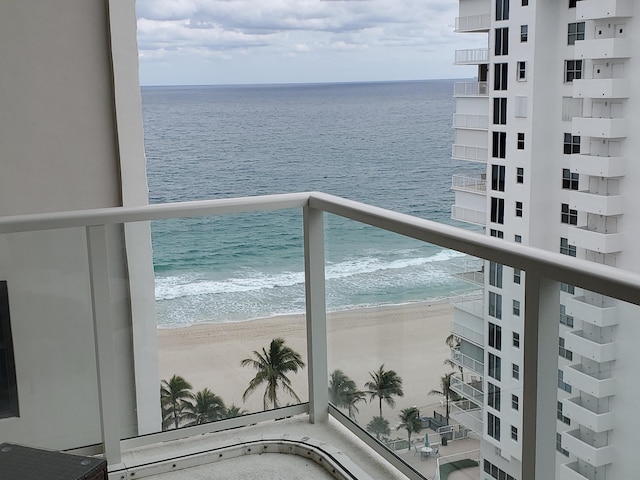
(383, 143)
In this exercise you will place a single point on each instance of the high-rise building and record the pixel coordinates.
(551, 114)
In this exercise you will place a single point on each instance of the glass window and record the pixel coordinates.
(494, 396)
(515, 402)
(499, 145)
(560, 415)
(496, 233)
(497, 210)
(520, 142)
(495, 366)
(559, 436)
(500, 76)
(495, 274)
(567, 249)
(563, 352)
(564, 318)
(8, 384)
(518, 209)
(561, 384)
(570, 180)
(572, 70)
(502, 41)
(524, 33)
(499, 111)
(517, 238)
(516, 340)
(575, 32)
(495, 305)
(568, 215)
(502, 9)
(515, 371)
(522, 71)
(517, 274)
(514, 433)
(516, 308)
(571, 144)
(493, 426)
(495, 336)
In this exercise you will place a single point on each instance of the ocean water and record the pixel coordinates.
(387, 144)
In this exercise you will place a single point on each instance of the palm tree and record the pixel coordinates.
(379, 426)
(175, 397)
(206, 407)
(410, 418)
(445, 390)
(453, 341)
(234, 411)
(272, 367)
(343, 393)
(384, 384)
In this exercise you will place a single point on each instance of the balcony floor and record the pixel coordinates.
(282, 466)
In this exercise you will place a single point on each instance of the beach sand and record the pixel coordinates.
(409, 339)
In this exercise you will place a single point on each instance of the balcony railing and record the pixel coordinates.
(467, 416)
(468, 215)
(474, 307)
(473, 23)
(466, 361)
(469, 183)
(473, 122)
(544, 270)
(469, 388)
(470, 89)
(472, 56)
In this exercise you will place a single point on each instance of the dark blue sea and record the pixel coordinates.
(387, 144)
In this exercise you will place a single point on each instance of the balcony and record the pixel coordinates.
(98, 364)
(598, 166)
(603, 9)
(474, 183)
(607, 205)
(601, 87)
(469, 388)
(473, 23)
(469, 153)
(599, 127)
(596, 421)
(574, 471)
(590, 347)
(471, 122)
(467, 414)
(596, 241)
(599, 385)
(602, 316)
(471, 334)
(466, 361)
(603, 48)
(468, 215)
(470, 89)
(473, 56)
(578, 445)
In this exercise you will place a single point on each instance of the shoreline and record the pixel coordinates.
(408, 339)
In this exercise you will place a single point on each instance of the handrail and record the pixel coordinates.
(603, 279)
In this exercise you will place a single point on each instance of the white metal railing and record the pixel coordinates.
(468, 333)
(472, 56)
(468, 215)
(469, 153)
(474, 183)
(475, 307)
(544, 271)
(470, 455)
(473, 22)
(469, 417)
(470, 89)
(463, 120)
(464, 360)
(468, 389)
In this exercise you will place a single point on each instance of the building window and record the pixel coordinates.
(494, 396)
(497, 210)
(571, 144)
(522, 71)
(495, 336)
(499, 111)
(520, 143)
(516, 340)
(495, 366)
(518, 209)
(561, 384)
(8, 384)
(565, 287)
(499, 145)
(572, 3)
(524, 33)
(514, 433)
(516, 308)
(559, 436)
(525, 3)
(563, 352)
(495, 472)
(500, 76)
(502, 41)
(517, 238)
(568, 215)
(564, 318)
(570, 181)
(493, 426)
(495, 274)
(495, 305)
(502, 9)
(515, 402)
(561, 416)
(567, 249)
(497, 177)
(572, 70)
(575, 32)
(496, 233)
(517, 274)
(515, 371)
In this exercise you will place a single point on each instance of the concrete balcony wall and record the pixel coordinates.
(598, 422)
(571, 471)
(601, 9)
(596, 241)
(596, 456)
(598, 166)
(583, 201)
(577, 342)
(476, 122)
(577, 307)
(470, 153)
(600, 388)
(601, 88)
(602, 48)
(599, 127)
(472, 56)
(462, 214)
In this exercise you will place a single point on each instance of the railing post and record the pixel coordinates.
(316, 315)
(104, 344)
(539, 378)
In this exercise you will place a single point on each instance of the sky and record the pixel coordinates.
(208, 42)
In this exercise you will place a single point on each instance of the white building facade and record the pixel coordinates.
(552, 114)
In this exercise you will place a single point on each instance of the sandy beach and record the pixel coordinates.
(409, 339)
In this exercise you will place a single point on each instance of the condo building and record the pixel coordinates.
(553, 115)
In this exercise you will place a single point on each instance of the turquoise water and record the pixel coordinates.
(387, 144)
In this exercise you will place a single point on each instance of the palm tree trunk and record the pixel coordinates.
(380, 407)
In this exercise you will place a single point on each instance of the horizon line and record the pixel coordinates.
(302, 83)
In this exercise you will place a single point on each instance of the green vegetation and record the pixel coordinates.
(175, 399)
(384, 384)
(446, 392)
(343, 393)
(272, 367)
(410, 418)
(378, 426)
